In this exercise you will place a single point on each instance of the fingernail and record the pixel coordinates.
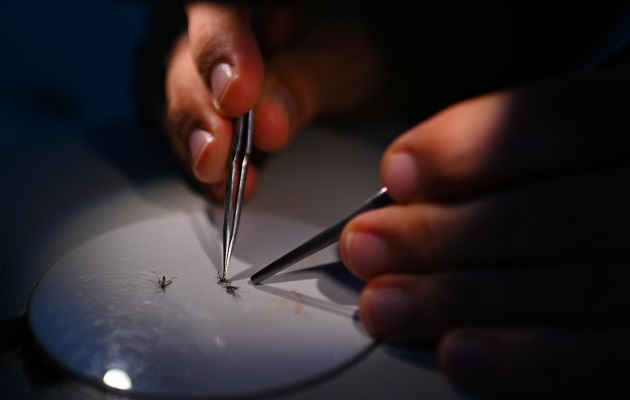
(366, 253)
(385, 311)
(470, 359)
(197, 140)
(220, 77)
(400, 175)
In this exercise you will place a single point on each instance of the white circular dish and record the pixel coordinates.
(101, 313)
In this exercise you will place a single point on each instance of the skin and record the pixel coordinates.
(507, 248)
(520, 280)
(284, 100)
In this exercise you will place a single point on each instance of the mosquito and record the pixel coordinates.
(163, 282)
(232, 290)
(227, 284)
(223, 281)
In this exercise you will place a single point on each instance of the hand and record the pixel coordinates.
(509, 243)
(303, 68)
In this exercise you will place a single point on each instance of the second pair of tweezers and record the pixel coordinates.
(235, 186)
(321, 240)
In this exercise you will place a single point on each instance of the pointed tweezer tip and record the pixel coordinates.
(321, 240)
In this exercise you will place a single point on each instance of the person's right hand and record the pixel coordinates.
(217, 72)
(507, 247)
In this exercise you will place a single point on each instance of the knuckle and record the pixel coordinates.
(460, 144)
(429, 247)
(206, 51)
(178, 119)
(452, 150)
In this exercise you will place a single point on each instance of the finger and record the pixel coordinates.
(217, 191)
(420, 309)
(502, 138)
(226, 55)
(532, 362)
(580, 218)
(332, 70)
(201, 137)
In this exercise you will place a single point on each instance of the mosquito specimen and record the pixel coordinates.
(163, 282)
(227, 285)
(232, 290)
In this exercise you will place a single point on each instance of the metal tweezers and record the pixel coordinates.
(321, 240)
(235, 186)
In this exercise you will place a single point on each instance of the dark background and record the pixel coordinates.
(66, 66)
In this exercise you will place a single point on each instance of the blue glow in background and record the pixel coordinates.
(66, 66)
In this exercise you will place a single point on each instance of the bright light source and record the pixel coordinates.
(117, 378)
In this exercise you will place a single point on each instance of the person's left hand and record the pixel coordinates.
(509, 242)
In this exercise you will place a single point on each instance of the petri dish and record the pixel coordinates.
(101, 314)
